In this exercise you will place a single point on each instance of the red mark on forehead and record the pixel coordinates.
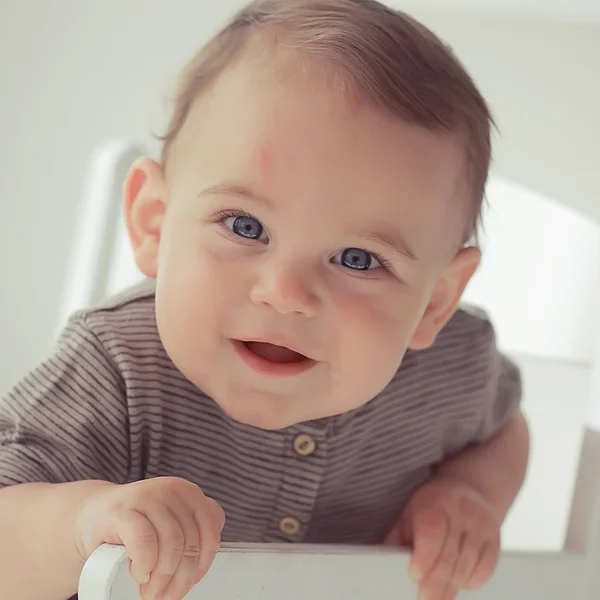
(263, 159)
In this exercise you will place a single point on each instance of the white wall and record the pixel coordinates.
(540, 274)
(562, 10)
(594, 399)
(542, 81)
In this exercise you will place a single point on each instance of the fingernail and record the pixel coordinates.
(141, 577)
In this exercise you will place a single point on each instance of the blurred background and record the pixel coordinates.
(85, 85)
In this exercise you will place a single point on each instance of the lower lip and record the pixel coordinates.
(267, 367)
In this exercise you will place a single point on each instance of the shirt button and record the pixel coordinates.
(289, 526)
(304, 445)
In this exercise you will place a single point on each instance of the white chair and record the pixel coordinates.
(272, 572)
(102, 265)
(98, 228)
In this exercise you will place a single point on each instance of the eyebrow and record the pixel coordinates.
(231, 189)
(394, 241)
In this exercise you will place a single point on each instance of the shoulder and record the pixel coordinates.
(455, 392)
(469, 325)
(128, 314)
(135, 305)
(463, 355)
(454, 377)
(122, 326)
(469, 339)
(462, 380)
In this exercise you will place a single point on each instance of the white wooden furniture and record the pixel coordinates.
(273, 572)
(100, 266)
(98, 227)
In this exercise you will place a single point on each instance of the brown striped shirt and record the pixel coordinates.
(109, 404)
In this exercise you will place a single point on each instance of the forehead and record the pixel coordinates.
(293, 138)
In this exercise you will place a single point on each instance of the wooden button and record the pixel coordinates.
(289, 526)
(304, 445)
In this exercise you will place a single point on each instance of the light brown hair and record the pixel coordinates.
(383, 55)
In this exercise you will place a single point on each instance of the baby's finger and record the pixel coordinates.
(451, 593)
(171, 544)
(430, 528)
(210, 523)
(218, 513)
(436, 590)
(485, 567)
(443, 570)
(141, 543)
(470, 550)
(186, 574)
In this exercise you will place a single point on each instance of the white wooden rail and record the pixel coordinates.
(297, 572)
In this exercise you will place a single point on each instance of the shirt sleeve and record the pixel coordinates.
(501, 397)
(67, 420)
(488, 385)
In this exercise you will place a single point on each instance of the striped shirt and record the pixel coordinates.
(109, 404)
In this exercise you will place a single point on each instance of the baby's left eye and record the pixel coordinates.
(356, 259)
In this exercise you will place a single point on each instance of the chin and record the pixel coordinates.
(264, 421)
(270, 415)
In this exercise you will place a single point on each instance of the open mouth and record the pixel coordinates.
(275, 354)
(270, 359)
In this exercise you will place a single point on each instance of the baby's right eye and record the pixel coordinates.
(245, 226)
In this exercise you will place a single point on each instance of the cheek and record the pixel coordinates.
(197, 262)
(196, 288)
(373, 332)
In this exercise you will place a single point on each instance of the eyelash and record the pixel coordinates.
(227, 214)
(384, 262)
(221, 216)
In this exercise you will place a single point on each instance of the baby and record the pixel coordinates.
(296, 368)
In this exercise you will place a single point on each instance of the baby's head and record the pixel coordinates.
(323, 169)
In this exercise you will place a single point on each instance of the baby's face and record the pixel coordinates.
(303, 239)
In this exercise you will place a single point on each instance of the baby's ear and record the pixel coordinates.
(144, 198)
(445, 297)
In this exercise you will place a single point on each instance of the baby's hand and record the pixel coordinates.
(455, 538)
(170, 529)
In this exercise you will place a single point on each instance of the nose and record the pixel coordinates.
(286, 290)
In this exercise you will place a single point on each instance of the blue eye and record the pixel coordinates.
(244, 226)
(356, 259)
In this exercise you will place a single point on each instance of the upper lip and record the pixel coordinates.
(284, 342)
